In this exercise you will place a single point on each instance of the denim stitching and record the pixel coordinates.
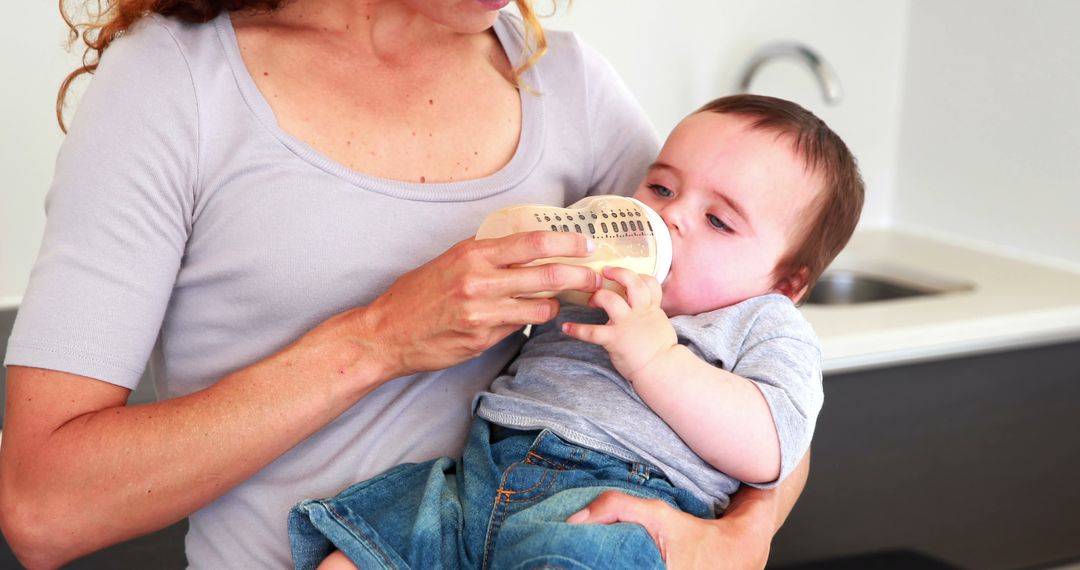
(502, 485)
(570, 463)
(496, 519)
(361, 535)
(541, 461)
(553, 473)
(503, 495)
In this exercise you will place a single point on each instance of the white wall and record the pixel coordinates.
(35, 64)
(674, 56)
(677, 57)
(990, 145)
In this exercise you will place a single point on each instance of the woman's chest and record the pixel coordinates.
(443, 120)
(274, 233)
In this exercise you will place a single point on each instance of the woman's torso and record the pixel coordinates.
(309, 236)
(274, 235)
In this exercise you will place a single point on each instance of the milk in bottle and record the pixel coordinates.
(626, 233)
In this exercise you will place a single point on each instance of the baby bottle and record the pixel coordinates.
(626, 233)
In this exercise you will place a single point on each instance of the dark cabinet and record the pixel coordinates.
(974, 461)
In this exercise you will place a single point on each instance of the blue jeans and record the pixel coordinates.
(502, 506)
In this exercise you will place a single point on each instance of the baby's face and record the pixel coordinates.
(734, 200)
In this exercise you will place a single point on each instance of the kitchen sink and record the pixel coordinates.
(847, 287)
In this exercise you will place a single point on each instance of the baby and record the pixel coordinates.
(679, 392)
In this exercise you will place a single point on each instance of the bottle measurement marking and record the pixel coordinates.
(618, 228)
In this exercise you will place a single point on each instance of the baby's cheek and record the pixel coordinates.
(671, 299)
(697, 297)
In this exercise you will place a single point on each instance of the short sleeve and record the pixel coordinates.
(785, 365)
(118, 214)
(624, 141)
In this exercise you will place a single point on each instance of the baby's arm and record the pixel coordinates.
(723, 417)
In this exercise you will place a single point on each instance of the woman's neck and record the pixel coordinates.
(389, 30)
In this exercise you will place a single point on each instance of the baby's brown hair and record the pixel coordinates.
(835, 211)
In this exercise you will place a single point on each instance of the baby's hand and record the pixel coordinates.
(637, 332)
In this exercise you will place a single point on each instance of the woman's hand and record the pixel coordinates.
(738, 540)
(469, 298)
(685, 541)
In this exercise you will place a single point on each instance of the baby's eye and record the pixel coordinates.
(661, 191)
(716, 223)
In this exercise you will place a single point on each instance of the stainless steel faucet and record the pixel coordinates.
(826, 77)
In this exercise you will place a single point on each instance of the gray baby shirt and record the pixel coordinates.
(571, 388)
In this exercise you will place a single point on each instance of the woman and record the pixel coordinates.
(242, 200)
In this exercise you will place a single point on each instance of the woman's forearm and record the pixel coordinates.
(115, 473)
(767, 509)
(738, 540)
(73, 456)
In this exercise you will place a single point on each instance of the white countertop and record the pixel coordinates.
(1013, 303)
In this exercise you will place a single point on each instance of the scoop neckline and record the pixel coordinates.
(525, 157)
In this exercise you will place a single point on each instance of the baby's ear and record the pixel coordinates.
(794, 285)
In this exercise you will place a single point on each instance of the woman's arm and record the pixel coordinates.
(80, 471)
(738, 540)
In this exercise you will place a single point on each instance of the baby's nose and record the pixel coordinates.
(673, 219)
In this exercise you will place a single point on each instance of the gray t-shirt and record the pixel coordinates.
(571, 388)
(185, 227)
